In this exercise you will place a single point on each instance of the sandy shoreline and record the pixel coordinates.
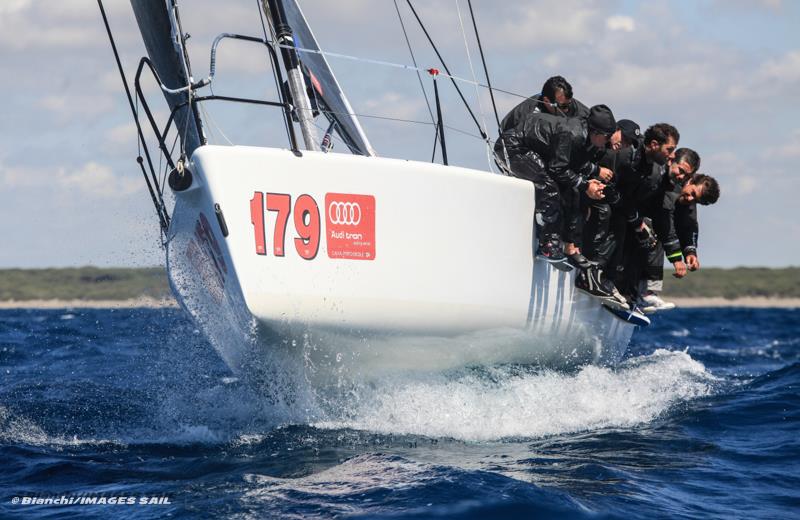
(143, 302)
(750, 301)
(152, 303)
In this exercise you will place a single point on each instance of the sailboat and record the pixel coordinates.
(382, 263)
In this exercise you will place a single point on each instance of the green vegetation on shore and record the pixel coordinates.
(83, 283)
(93, 283)
(735, 283)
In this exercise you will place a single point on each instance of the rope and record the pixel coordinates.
(419, 76)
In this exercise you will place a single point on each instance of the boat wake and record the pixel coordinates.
(191, 398)
(504, 402)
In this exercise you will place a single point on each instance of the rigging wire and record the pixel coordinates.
(411, 121)
(399, 66)
(166, 167)
(436, 50)
(499, 161)
(483, 59)
(435, 141)
(260, 8)
(477, 92)
(158, 202)
(185, 130)
(212, 125)
(413, 60)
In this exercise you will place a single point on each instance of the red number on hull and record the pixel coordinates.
(257, 218)
(307, 224)
(282, 203)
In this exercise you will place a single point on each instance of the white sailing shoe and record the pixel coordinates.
(651, 302)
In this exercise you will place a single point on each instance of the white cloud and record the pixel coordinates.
(19, 177)
(778, 75)
(97, 180)
(750, 5)
(625, 83)
(70, 24)
(647, 61)
(745, 185)
(91, 179)
(72, 105)
(124, 134)
(395, 105)
(789, 150)
(621, 23)
(10, 7)
(552, 60)
(525, 27)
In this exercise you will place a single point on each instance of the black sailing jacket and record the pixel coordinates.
(534, 104)
(562, 144)
(687, 227)
(664, 219)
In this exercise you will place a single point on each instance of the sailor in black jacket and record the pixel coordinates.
(638, 176)
(688, 229)
(559, 156)
(676, 226)
(604, 226)
(555, 99)
(682, 167)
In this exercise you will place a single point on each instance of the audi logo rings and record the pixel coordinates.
(345, 213)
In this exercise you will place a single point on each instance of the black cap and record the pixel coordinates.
(602, 120)
(630, 130)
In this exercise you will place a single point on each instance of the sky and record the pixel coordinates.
(726, 73)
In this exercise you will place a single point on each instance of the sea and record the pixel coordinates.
(130, 413)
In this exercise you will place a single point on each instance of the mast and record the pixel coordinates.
(297, 86)
(165, 46)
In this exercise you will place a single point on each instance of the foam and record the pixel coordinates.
(20, 430)
(515, 402)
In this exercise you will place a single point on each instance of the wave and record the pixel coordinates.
(477, 404)
(20, 430)
(518, 402)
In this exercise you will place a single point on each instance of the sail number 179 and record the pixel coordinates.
(306, 220)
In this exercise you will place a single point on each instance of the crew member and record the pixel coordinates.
(605, 223)
(555, 99)
(559, 156)
(685, 164)
(638, 177)
(677, 205)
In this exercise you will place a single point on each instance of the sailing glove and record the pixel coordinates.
(645, 236)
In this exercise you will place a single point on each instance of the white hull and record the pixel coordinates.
(407, 265)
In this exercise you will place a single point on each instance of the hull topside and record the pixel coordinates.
(394, 263)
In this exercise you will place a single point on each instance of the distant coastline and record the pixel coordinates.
(152, 303)
(93, 287)
(132, 303)
(759, 302)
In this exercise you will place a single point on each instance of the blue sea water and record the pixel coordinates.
(700, 421)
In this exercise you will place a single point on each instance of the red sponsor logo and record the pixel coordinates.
(350, 226)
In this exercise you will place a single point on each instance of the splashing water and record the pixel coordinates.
(502, 402)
